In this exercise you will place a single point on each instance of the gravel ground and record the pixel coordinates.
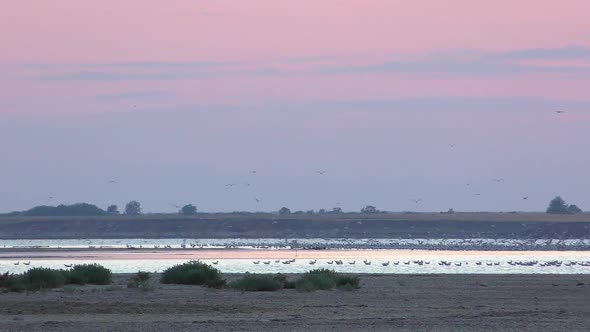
(384, 303)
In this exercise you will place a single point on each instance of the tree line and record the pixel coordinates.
(133, 208)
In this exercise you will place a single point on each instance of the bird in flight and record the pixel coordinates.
(112, 182)
(416, 200)
(559, 111)
(257, 199)
(498, 180)
(229, 185)
(321, 172)
(477, 194)
(176, 206)
(253, 172)
(524, 198)
(452, 145)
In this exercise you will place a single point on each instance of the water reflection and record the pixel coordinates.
(351, 261)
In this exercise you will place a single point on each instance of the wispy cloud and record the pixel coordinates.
(130, 71)
(572, 52)
(480, 64)
(135, 95)
(152, 71)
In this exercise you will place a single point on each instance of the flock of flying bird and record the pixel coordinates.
(257, 199)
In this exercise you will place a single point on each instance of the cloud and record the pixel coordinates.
(572, 52)
(481, 64)
(135, 95)
(151, 71)
(131, 71)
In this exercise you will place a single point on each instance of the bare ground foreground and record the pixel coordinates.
(346, 225)
(384, 303)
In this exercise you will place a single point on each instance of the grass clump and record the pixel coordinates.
(323, 279)
(12, 283)
(252, 282)
(140, 281)
(193, 273)
(39, 278)
(94, 274)
(348, 283)
(32, 280)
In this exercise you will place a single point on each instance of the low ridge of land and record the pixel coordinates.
(392, 225)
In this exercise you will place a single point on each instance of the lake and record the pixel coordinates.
(269, 255)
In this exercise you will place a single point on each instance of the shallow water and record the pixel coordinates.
(243, 260)
(439, 244)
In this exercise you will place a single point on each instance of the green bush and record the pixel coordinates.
(89, 274)
(348, 282)
(141, 276)
(12, 282)
(252, 282)
(42, 278)
(193, 273)
(141, 281)
(323, 279)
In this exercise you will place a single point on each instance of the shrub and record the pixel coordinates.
(42, 278)
(323, 279)
(141, 276)
(11, 282)
(252, 282)
(89, 274)
(193, 273)
(348, 282)
(141, 281)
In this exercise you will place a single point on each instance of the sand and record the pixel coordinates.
(384, 303)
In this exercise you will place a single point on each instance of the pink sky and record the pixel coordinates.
(178, 30)
(301, 77)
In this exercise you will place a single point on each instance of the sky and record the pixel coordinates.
(395, 100)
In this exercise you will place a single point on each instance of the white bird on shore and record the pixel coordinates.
(17, 263)
(385, 263)
(256, 262)
(68, 265)
(27, 263)
(352, 263)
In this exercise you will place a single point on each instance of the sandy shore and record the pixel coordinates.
(384, 303)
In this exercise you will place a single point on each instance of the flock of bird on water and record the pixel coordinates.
(554, 263)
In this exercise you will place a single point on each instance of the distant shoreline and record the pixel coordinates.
(332, 226)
